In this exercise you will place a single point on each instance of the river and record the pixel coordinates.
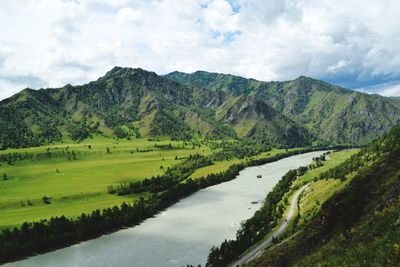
(185, 232)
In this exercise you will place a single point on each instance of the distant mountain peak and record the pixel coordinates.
(125, 71)
(306, 79)
(136, 102)
(303, 77)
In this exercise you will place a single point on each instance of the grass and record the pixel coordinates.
(375, 242)
(374, 234)
(79, 185)
(221, 166)
(320, 191)
(334, 159)
(359, 226)
(317, 192)
(273, 152)
(217, 167)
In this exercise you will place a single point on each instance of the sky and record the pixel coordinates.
(50, 43)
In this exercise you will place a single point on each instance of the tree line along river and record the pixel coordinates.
(185, 232)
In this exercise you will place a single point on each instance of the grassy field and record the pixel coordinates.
(333, 160)
(217, 167)
(317, 192)
(224, 165)
(75, 177)
(79, 185)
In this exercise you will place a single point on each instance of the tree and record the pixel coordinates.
(46, 200)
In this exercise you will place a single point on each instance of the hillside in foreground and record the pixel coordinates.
(359, 225)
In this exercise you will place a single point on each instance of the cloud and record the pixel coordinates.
(391, 91)
(341, 65)
(385, 89)
(219, 16)
(54, 42)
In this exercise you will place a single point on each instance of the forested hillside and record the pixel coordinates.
(134, 103)
(358, 226)
(330, 112)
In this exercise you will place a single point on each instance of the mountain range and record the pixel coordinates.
(133, 103)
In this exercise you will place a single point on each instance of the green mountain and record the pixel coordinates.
(136, 103)
(358, 226)
(330, 112)
(133, 103)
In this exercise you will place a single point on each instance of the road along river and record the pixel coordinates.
(262, 245)
(185, 232)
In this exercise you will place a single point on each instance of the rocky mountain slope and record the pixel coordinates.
(332, 113)
(136, 103)
(132, 103)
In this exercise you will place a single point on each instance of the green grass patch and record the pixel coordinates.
(80, 185)
(221, 166)
(334, 159)
(317, 192)
(215, 168)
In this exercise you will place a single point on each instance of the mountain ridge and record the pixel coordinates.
(332, 112)
(133, 103)
(122, 102)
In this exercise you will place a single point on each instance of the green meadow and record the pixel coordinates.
(316, 193)
(333, 159)
(224, 165)
(77, 181)
(71, 179)
(320, 191)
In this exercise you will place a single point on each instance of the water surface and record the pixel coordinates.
(185, 232)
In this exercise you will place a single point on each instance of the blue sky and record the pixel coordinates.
(49, 43)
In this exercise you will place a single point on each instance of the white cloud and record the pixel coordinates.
(129, 15)
(54, 42)
(220, 17)
(341, 65)
(391, 91)
(111, 3)
(385, 89)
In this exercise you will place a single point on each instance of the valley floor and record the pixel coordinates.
(75, 177)
(71, 179)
